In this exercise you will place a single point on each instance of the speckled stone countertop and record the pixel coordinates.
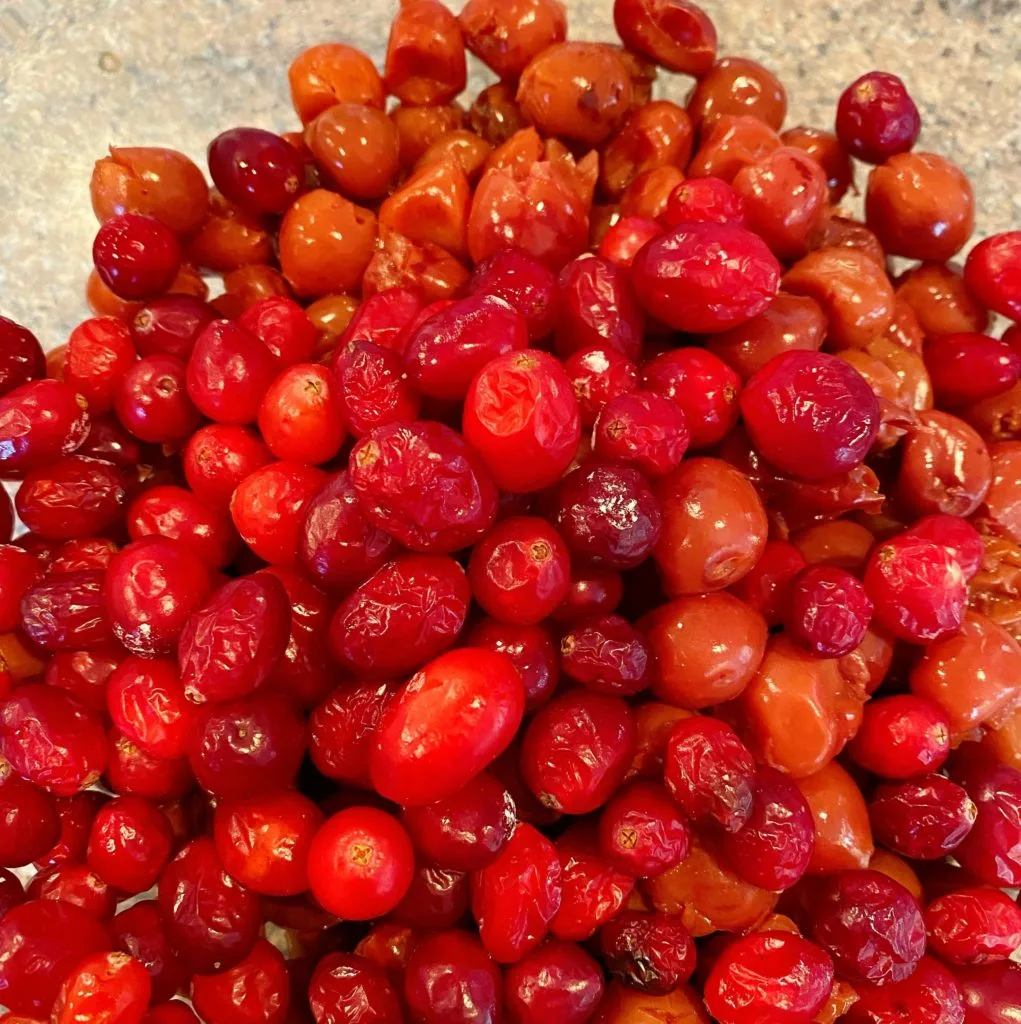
(77, 75)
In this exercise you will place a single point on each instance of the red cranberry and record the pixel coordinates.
(77, 884)
(218, 457)
(436, 898)
(360, 864)
(228, 372)
(21, 356)
(594, 591)
(992, 849)
(257, 170)
(828, 611)
(989, 991)
(299, 418)
(559, 981)
(876, 118)
(99, 353)
(918, 588)
(66, 612)
(467, 830)
(642, 427)
(773, 976)
(516, 896)
(532, 651)
(133, 772)
(607, 514)
(51, 740)
(423, 485)
(521, 415)
(711, 773)
(231, 645)
(169, 325)
(406, 613)
(72, 497)
(923, 819)
(383, 319)
(43, 941)
(607, 655)
(111, 987)
(152, 403)
(283, 327)
(129, 844)
(40, 421)
(651, 952)
(268, 508)
(147, 704)
(974, 926)
(704, 201)
(702, 386)
(450, 979)
(139, 932)
(342, 728)
(178, 514)
(970, 367)
(576, 750)
(19, 570)
(255, 991)
(930, 994)
(29, 823)
(137, 257)
(250, 745)
(343, 981)
(521, 280)
(704, 278)
(992, 273)
(767, 587)
(520, 571)
(901, 737)
(810, 414)
(211, 920)
(76, 814)
(870, 924)
(598, 375)
(426, 749)
(625, 239)
(374, 390)
(642, 832)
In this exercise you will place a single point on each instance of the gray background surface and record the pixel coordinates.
(77, 75)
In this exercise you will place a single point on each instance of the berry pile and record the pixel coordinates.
(563, 577)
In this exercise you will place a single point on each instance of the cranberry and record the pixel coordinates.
(525, 283)
(530, 648)
(652, 952)
(99, 353)
(901, 737)
(178, 514)
(991, 273)
(218, 457)
(773, 848)
(66, 612)
(44, 941)
(129, 844)
(521, 415)
(69, 882)
(109, 987)
(576, 750)
(250, 745)
(76, 814)
(970, 367)
(255, 991)
(598, 375)
(374, 390)
(607, 655)
(989, 991)
(228, 372)
(467, 830)
(72, 497)
(767, 587)
(711, 773)
(558, 981)
(51, 740)
(876, 118)
(146, 701)
(704, 201)
(139, 932)
(642, 427)
(642, 832)
(991, 851)
(132, 772)
(211, 920)
(870, 924)
(406, 613)
(137, 257)
(773, 976)
(283, 327)
(957, 535)
(622, 243)
(19, 570)
(152, 403)
(451, 979)
(516, 896)
(299, 418)
(924, 818)
(593, 591)
(917, 587)
(256, 169)
(360, 863)
(29, 823)
(426, 750)
(437, 898)
(40, 421)
(169, 325)
(342, 728)
(343, 981)
(828, 611)
(974, 926)
(689, 277)
(422, 484)
(268, 508)
(931, 993)
(21, 356)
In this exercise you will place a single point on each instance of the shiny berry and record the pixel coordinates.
(828, 610)
(901, 736)
(137, 257)
(257, 170)
(876, 117)
(642, 831)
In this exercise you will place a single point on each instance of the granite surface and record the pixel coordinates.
(77, 75)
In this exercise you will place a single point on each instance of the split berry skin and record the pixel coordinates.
(539, 542)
